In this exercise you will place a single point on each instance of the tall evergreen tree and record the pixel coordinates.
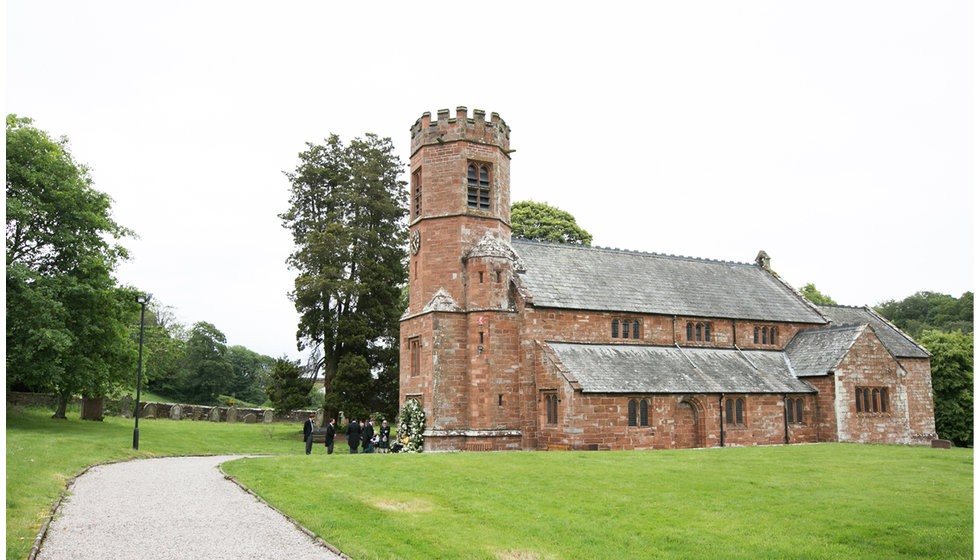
(347, 218)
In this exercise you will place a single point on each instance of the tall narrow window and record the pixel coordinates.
(765, 335)
(707, 332)
(636, 329)
(857, 400)
(551, 407)
(867, 400)
(799, 411)
(884, 399)
(729, 418)
(415, 350)
(417, 193)
(772, 335)
(789, 410)
(644, 413)
(478, 187)
(690, 332)
(615, 328)
(755, 335)
(874, 400)
(626, 328)
(739, 406)
(697, 332)
(632, 412)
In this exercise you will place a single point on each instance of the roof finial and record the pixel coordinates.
(762, 259)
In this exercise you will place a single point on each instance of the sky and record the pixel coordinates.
(836, 135)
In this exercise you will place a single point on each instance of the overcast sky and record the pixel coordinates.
(837, 136)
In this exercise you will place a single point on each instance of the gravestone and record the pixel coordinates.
(215, 415)
(267, 416)
(942, 444)
(149, 410)
(126, 406)
(92, 408)
(250, 418)
(175, 412)
(232, 415)
(318, 421)
(195, 413)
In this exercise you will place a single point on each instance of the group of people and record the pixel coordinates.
(358, 435)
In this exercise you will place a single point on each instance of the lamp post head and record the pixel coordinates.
(144, 299)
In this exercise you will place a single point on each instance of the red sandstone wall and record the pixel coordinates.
(922, 414)
(824, 407)
(869, 364)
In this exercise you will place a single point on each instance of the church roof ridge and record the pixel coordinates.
(630, 251)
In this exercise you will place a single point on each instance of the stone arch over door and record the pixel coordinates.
(689, 424)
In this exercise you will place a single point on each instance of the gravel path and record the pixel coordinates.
(178, 507)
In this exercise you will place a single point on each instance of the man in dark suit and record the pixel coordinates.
(308, 433)
(353, 435)
(331, 432)
(367, 434)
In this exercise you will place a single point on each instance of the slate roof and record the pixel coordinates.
(608, 368)
(589, 278)
(896, 341)
(818, 351)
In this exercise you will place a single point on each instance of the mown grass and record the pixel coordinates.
(43, 453)
(816, 501)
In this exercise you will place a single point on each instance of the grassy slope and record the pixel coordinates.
(821, 501)
(818, 501)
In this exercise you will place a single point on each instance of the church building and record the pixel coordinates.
(511, 344)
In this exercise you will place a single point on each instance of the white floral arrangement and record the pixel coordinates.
(411, 423)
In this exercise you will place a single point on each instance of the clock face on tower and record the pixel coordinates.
(415, 242)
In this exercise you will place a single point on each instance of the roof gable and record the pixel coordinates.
(819, 351)
(578, 277)
(896, 341)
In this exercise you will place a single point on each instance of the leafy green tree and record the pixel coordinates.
(540, 222)
(346, 216)
(163, 350)
(67, 320)
(251, 371)
(207, 373)
(930, 311)
(288, 389)
(811, 293)
(952, 384)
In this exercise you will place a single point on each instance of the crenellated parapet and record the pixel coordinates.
(444, 128)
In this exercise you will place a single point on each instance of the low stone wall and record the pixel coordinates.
(173, 411)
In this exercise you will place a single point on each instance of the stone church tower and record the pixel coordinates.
(459, 335)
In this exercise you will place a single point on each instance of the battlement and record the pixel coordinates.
(461, 127)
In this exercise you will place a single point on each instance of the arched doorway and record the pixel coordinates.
(688, 424)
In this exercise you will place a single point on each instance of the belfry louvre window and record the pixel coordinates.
(871, 399)
(478, 186)
(417, 193)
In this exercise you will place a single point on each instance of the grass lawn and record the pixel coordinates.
(42, 454)
(815, 501)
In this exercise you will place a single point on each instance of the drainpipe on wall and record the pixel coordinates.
(721, 418)
(785, 420)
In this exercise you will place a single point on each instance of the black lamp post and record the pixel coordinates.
(142, 300)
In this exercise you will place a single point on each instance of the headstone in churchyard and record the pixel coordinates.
(126, 406)
(175, 412)
(92, 408)
(232, 415)
(215, 415)
(194, 412)
(268, 416)
(250, 418)
(149, 410)
(319, 418)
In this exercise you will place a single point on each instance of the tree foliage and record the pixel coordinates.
(930, 311)
(346, 216)
(288, 389)
(952, 384)
(540, 222)
(207, 373)
(811, 293)
(67, 319)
